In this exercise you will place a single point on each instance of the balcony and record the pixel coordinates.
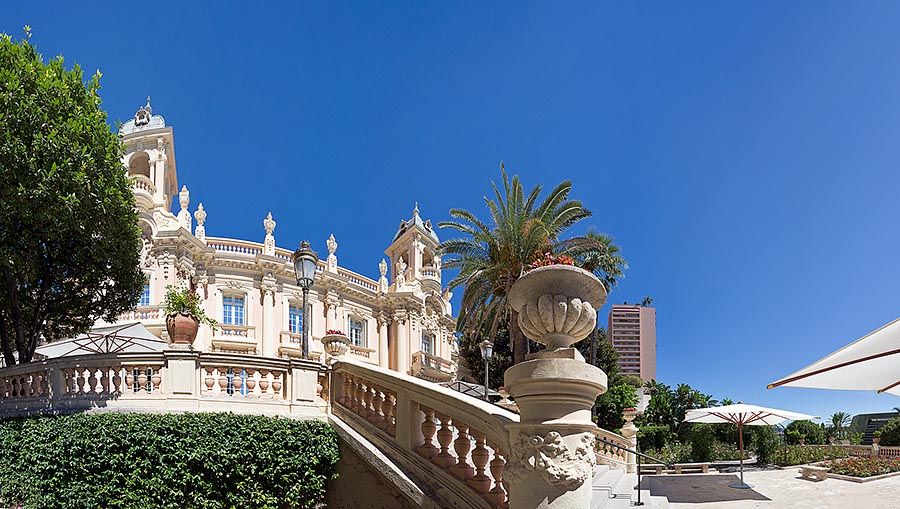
(431, 367)
(147, 314)
(235, 338)
(143, 189)
(291, 346)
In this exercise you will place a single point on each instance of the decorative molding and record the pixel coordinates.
(552, 459)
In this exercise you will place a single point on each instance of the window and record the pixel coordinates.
(356, 331)
(145, 296)
(295, 319)
(428, 342)
(232, 310)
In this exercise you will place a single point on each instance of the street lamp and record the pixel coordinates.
(305, 261)
(487, 349)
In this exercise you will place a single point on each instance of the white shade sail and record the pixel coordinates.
(129, 337)
(868, 364)
(746, 415)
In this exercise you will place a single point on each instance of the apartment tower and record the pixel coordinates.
(632, 331)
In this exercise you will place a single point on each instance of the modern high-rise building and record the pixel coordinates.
(632, 331)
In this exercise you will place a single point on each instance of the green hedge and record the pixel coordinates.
(136, 461)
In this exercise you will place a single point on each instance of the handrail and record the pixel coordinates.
(626, 449)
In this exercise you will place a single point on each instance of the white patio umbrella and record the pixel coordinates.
(743, 415)
(868, 364)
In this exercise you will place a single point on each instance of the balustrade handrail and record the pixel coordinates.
(478, 414)
(627, 449)
(438, 360)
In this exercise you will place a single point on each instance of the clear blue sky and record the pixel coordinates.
(744, 157)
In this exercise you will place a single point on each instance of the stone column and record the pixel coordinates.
(331, 302)
(552, 457)
(400, 317)
(383, 322)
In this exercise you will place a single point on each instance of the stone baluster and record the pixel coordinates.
(277, 384)
(251, 382)
(264, 383)
(93, 377)
(345, 391)
(16, 392)
(237, 382)
(377, 401)
(117, 381)
(390, 410)
(368, 412)
(156, 379)
(129, 379)
(142, 378)
(3, 393)
(358, 397)
(443, 458)
(462, 445)
(428, 450)
(209, 381)
(497, 495)
(81, 381)
(480, 457)
(104, 381)
(223, 381)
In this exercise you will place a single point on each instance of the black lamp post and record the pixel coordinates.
(305, 261)
(487, 349)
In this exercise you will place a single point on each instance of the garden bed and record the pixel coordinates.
(862, 468)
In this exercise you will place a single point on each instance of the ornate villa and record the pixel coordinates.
(404, 323)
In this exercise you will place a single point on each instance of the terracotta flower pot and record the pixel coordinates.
(182, 328)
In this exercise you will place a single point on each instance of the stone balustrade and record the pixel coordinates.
(143, 185)
(431, 367)
(862, 450)
(144, 313)
(167, 381)
(455, 443)
(613, 456)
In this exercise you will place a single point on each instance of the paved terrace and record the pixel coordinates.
(781, 489)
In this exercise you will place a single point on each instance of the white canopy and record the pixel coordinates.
(871, 363)
(129, 337)
(745, 415)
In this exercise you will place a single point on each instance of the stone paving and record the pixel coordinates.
(782, 489)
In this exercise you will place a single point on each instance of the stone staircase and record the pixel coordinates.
(615, 489)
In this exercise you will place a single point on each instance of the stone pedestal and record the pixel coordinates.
(630, 431)
(552, 447)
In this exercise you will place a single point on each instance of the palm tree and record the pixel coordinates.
(492, 256)
(839, 423)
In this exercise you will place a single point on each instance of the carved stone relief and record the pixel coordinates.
(552, 459)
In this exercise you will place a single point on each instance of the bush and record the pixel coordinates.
(701, 439)
(138, 461)
(813, 433)
(799, 455)
(890, 432)
(765, 444)
(655, 437)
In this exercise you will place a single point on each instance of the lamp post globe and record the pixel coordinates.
(487, 350)
(305, 262)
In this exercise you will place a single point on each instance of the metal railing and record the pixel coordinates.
(639, 456)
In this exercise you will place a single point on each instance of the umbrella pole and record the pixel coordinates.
(741, 485)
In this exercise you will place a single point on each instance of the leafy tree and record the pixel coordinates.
(646, 301)
(890, 432)
(812, 433)
(501, 359)
(492, 256)
(68, 229)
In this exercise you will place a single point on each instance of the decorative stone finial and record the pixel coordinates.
(269, 244)
(269, 224)
(382, 267)
(200, 215)
(416, 210)
(147, 107)
(331, 263)
(332, 244)
(184, 197)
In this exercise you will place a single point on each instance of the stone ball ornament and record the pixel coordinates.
(557, 304)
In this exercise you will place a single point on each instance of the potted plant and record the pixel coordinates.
(335, 342)
(184, 315)
(876, 437)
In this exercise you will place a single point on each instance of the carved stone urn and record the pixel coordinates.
(336, 345)
(182, 328)
(553, 447)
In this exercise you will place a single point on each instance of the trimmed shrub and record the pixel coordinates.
(136, 461)
(765, 443)
(701, 439)
(655, 437)
(890, 432)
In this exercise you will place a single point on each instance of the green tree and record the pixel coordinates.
(68, 228)
(647, 301)
(812, 433)
(492, 256)
(840, 422)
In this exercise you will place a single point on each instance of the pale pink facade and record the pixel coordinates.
(404, 323)
(632, 331)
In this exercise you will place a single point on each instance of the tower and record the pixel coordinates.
(415, 264)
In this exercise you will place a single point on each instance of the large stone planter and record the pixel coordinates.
(557, 304)
(552, 445)
(336, 345)
(182, 328)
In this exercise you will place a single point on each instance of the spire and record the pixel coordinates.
(147, 107)
(416, 210)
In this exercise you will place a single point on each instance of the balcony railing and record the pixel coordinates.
(235, 338)
(161, 381)
(431, 367)
(143, 185)
(144, 314)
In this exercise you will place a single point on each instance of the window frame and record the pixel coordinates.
(231, 319)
